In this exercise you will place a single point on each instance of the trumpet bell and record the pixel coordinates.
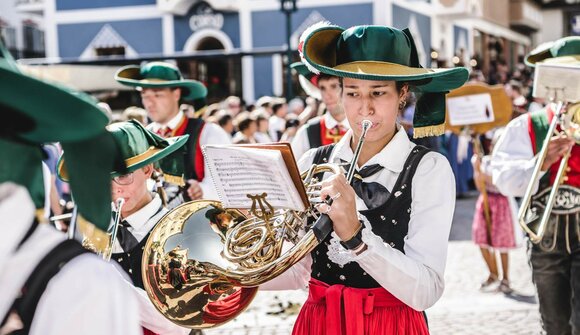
(184, 272)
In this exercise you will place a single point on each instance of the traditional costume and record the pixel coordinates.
(320, 130)
(140, 147)
(51, 285)
(556, 258)
(383, 289)
(165, 75)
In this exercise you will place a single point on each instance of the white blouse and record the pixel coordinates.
(416, 276)
(512, 161)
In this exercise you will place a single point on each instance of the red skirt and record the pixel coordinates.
(342, 310)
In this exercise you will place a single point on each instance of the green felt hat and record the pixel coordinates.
(35, 112)
(308, 80)
(563, 51)
(382, 53)
(160, 75)
(140, 147)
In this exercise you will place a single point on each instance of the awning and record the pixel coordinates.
(494, 29)
(87, 78)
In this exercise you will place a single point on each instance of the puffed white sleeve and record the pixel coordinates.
(300, 144)
(89, 297)
(512, 161)
(416, 276)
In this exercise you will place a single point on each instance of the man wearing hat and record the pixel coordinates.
(555, 259)
(162, 88)
(391, 224)
(143, 152)
(51, 285)
(332, 125)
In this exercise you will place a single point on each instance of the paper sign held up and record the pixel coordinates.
(470, 109)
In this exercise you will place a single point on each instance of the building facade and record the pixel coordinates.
(242, 41)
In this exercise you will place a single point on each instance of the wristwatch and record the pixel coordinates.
(355, 241)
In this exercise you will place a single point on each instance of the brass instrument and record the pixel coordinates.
(202, 263)
(534, 219)
(100, 242)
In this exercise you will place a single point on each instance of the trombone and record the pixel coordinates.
(532, 219)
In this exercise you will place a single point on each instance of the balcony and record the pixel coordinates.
(29, 6)
(525, 16)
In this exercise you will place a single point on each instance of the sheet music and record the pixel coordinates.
(238, 171)
(558, 82)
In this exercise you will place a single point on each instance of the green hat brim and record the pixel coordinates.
(319, 52)
(564, 47)
(304, 78)
(60, 114)
(130, 75)
(36, 112)
(152, 155)
(302, 70)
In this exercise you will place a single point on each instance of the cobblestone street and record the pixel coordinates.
(463, 309)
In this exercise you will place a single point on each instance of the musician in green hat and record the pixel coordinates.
(145, 154)
(332, 124)
(162, 89)
(391, 225)
(555, 255)
(41, 272)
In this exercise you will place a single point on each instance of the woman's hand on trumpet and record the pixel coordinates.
(557, 147)
(343, 211)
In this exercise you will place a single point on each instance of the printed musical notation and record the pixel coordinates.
(238, 172)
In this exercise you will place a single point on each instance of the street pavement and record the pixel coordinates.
(462, 309)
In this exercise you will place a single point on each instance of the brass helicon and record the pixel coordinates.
(534, 216)
(228, 253)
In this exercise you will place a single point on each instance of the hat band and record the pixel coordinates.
(381, 68)
(142, 156)
(156, 80)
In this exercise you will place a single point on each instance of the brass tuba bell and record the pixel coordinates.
(202, 263)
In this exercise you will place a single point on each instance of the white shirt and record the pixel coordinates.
(210, 134)
(276, 127)
(301, 142)
(87, 296)
(512, 161)
(415, 277)
(143, 220)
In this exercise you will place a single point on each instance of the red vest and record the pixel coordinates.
(538, 124)
(329, 136)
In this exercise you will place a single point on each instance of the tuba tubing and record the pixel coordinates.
(190, 279)
(524, 216)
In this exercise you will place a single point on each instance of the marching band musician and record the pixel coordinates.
(332, 125)
(143, 151)
(383, 264)
(162, 89)
(555, 259)
(51, 285)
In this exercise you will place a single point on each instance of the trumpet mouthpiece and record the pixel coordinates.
(366, 124)
(119, 203)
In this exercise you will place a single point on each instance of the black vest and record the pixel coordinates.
(389, 221)
(131, 261)
(313, 132)
(193, 129)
